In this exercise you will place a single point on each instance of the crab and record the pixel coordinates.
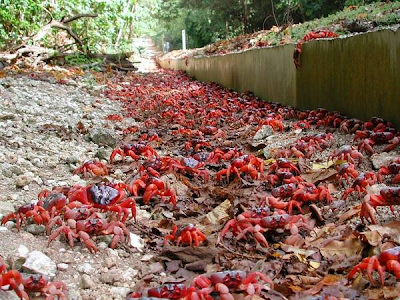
(284, 165)
(275, 123)
(224, 154)
(302, 124)
(35, 283)
(377, 138)
(386, 260)
(346, 170)
(185, 234)
(388, 196)
(320, 34)
(171, 291)
(189, 165)
(348, 153)
(84, 229)
(134, 150)
(106, 197)
(360, 183)
(213, 131)
(248, 164)
(38, 213)
(392, 168)
(230, 281)
(92, 168)
(196, 144)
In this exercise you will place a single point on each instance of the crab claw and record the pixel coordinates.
(370, 264)
(367, 212)
(85, 238)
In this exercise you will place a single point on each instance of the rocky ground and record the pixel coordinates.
(41, 141)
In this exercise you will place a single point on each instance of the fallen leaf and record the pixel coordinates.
(350, 214)
(327, 280)
(318, 175)
(391, 229)
(190, 254)
(349, 247)
(386, 292)
(373, 238)
(219, 214)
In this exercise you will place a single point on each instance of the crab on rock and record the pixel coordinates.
(92, 168)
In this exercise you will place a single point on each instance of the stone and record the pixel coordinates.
(382, 159)
(136, 241)
(263, 132)
(6, 208)
(62, 266)
(103, 154)
(103, 137)
(87, 282)
(8, 295)
(24, 179)
(119, 293)
(38, 262)
(36, 229)
(85, 268)
(17, 259)
(118, 275)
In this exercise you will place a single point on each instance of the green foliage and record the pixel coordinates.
(23, 18)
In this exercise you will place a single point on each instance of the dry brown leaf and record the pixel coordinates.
(350, 214)
(373, 238)
(349, 247)
(391, 229)
(219, 214)
(382, 293)
(318, 175)
(327, 280)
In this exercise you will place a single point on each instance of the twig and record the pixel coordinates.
(273, 13)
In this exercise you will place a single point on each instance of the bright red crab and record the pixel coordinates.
(134, 150)
(171, 291)
(283, 164)
(392, 169)
(93, 225)
(92, 168)
(186, 234)
(376, 138)
(247, 164)
(110, 197)
(387, 260)
(38, 213)
(388, 196)
(360, 183)
(320, 34)
(230, 281)
(346, 170)
(189, 165)
(346, 152)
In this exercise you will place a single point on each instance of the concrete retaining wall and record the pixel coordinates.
(358, 76)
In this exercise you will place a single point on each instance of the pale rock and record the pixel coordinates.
(38, 262)
(136, 241)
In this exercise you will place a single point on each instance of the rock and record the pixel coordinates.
(87, 282)
(85, 268)
(18, 258)
(6, 208)
(9, 295)
(62, 266)
(103, 137)
(119, 293)
(24, 179)
(154, 268)
(36, 229)
(382, 159)
(103, 154)
(136, 241)
(263, 132)
(118, 275)
(37, 262)
(73, 293)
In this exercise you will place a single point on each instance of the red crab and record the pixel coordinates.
(303, 124)
(185, 234)
(214, 131)
(346, 170)
(248, 164)
(387, 260)
(284, 165)
(171, 291)
(38, 213)
(189, 165)
(84, 229)
(92, 168)
(388, 196)
(392, 168)
(230, 281)
(377, 138)
(321, 34)
(107, 197)
(275, 123)
(224, 154)
(360, 183)
(347, 153)
(134, 150)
